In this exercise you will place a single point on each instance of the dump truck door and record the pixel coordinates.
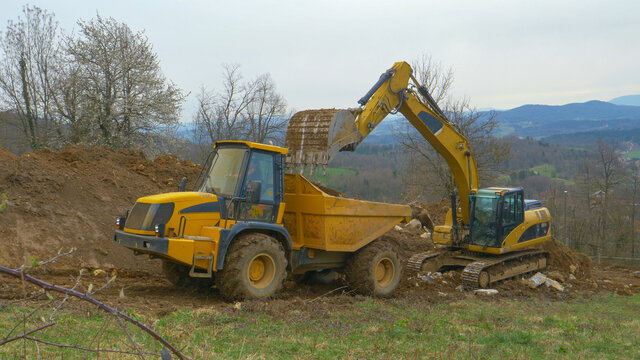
(260, 188)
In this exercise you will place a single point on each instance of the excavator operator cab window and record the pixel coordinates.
(484, 220)
(512, 212)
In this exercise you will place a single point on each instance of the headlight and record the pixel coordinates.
(159, 230)
(120, 220)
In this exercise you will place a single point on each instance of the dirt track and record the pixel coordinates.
(59, 200)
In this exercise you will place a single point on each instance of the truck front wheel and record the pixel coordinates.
(374, 270)
(255, 267)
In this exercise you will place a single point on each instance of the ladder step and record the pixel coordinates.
(199, 274)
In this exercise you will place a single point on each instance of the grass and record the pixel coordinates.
(318, 176)
(602, 327)
(635, 154)
(549, 171)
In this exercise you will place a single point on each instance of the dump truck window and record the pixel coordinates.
(224, 173)
(260, 169)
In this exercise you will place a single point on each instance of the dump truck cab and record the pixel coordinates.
(232, 225)
(247, 178)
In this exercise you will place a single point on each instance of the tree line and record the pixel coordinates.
(103, 85)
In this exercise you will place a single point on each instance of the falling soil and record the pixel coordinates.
(69, 199)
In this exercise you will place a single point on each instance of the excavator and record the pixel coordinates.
(489, 231)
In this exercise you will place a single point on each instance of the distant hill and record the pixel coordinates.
(587, 139)
(631, 100)
(545, 120)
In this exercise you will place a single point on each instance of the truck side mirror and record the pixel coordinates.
(183, 184)
(253, 191)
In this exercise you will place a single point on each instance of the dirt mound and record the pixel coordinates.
(70, 198)
(567, 261)
(6, 154)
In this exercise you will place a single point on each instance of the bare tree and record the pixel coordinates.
(250, 110)
(610, 171)
(27, 64)
(265, 115)
(122, 88)
(427, 172)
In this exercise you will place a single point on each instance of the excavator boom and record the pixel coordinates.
(314, 136)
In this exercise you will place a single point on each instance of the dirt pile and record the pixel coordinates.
(70, 198)
(567, 261)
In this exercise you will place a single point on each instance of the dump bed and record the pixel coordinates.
(321, 221)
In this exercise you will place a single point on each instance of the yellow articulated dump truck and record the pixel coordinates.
(248, 224)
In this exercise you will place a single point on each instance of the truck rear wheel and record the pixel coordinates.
(374, 270)
(255, 267)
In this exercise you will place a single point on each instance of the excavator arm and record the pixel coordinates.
(315, 136)
(393, 93)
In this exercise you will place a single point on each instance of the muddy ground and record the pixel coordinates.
(69, 199)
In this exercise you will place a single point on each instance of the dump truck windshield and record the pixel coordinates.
(222, 177)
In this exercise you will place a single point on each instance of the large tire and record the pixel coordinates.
(254, 268)
(374, 270)
(178, 275)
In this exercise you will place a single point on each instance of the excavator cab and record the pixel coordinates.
(495, 212)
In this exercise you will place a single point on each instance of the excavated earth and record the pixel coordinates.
(69, 199)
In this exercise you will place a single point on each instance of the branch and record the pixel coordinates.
(18, 273)
(82, 348)
(25, 334)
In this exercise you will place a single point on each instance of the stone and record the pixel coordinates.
(486, 292)
(536, 280)
(414, 224)
(572, 277)
(98, 272)
(555, 275)
(554, 284)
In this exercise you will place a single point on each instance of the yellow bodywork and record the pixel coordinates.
(443, 234)
(313, 218)
(320, 221)
(255, 145)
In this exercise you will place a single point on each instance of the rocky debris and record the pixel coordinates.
(485, 292)
(554, 284)
(540, 278)
(414, 224)
(98, 272)
(536, 280)
(555, 275)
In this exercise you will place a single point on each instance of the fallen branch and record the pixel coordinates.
(19, 273)
(67, 346)
(26, 334)
(327, 293)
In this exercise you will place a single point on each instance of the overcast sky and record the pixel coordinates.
(325, 54)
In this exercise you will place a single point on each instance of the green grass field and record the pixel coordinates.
(549, 171)
(325, 180)
(600, 327)
(635, 154)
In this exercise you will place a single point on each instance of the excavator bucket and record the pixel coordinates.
(314, 137)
